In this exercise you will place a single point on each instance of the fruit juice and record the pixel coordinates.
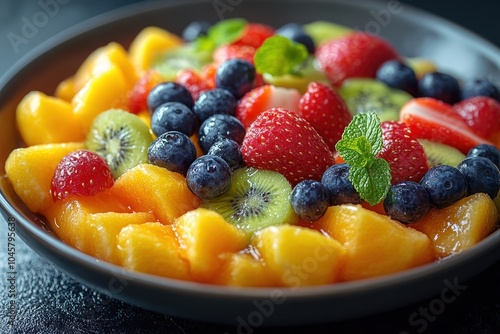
(242, 154)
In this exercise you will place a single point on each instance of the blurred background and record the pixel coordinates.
(27, 23)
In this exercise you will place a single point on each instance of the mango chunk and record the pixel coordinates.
(149, 188)
(298, 256)
(242, 269)
(152, 248)
(204, 236)
(149, 44)
(43, 119)
(459, 226)
(107, 90)
(66, 89)
(376, 245)
(30, 170)
(92, 224)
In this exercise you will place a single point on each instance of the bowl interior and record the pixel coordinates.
(413, 32)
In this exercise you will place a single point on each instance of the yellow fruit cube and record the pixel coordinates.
(152, 248)
(149, 44)
(66, 89)
(31, 169)
(91, 224)
(204, 236)
(297, 256)
(461, 225)
(242, 269)
(43, 119)
(149, 188)
(376, 245)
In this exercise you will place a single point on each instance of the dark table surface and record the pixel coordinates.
(48, 301)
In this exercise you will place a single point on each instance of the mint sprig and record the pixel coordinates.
(278, 55)
(223, 32)
(361, 142)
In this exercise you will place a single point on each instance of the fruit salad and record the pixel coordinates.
(241, 154)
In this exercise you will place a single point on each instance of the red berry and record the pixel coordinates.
(82, 173)
(138, 95)
(481, 113)
(403, 152)
(326, 111)
(355, 55)
(262, 98)
(226, 52)
(435, 120)
(281, 141)
(255, 34)
(194, 83)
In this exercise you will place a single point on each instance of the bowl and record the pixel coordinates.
(413, 32)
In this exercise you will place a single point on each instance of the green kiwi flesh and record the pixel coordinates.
(255, 200)
(370, 95)
(121, 138)
(441, 154)
(322, 31)
(183, 57)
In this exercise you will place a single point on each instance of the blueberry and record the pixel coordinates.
(208, 177)
(195, 29)
(215, 101)
(407, 202)
(229, 150)
(440, 86)
(296, 33)
(172, 150)
(480, 87)
(218, 127)
(398, 75)
(169, 92)
(173, 116)
(339, 187)
(445, 185)
(309, 200)
(235, 75)
(481, 174)
(486, 151)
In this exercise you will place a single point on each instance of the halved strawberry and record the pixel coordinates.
(355, 55)
(194, 82)
(82, 173)
(432, 119)
(138, 95)
(326, 111)
(403, 152)
(281, 141)
(255, 34)
(226, 52)
(265, 97)
(481, 113)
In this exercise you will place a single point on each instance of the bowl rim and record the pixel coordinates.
(341, 288)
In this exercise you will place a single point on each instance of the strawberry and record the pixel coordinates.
(138, 95)
(282, 141)
(481, 113)
(225, 52)
(208, 74)
(82, 173)
(194, 83)
(262, 98)
(405, 155)
(432, 119)
(356, 55)
(255, 34)
(326, 111)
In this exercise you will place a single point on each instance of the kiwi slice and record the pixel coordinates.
(321, 31)
(256, 199)
(300, 80)
(186, 56)
(370, 95)
(441, 154)
(121, 138)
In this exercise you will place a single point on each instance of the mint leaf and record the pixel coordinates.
(223, 32)
(360, 143)
(279, 56)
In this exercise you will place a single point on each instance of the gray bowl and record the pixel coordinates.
(413, 32)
